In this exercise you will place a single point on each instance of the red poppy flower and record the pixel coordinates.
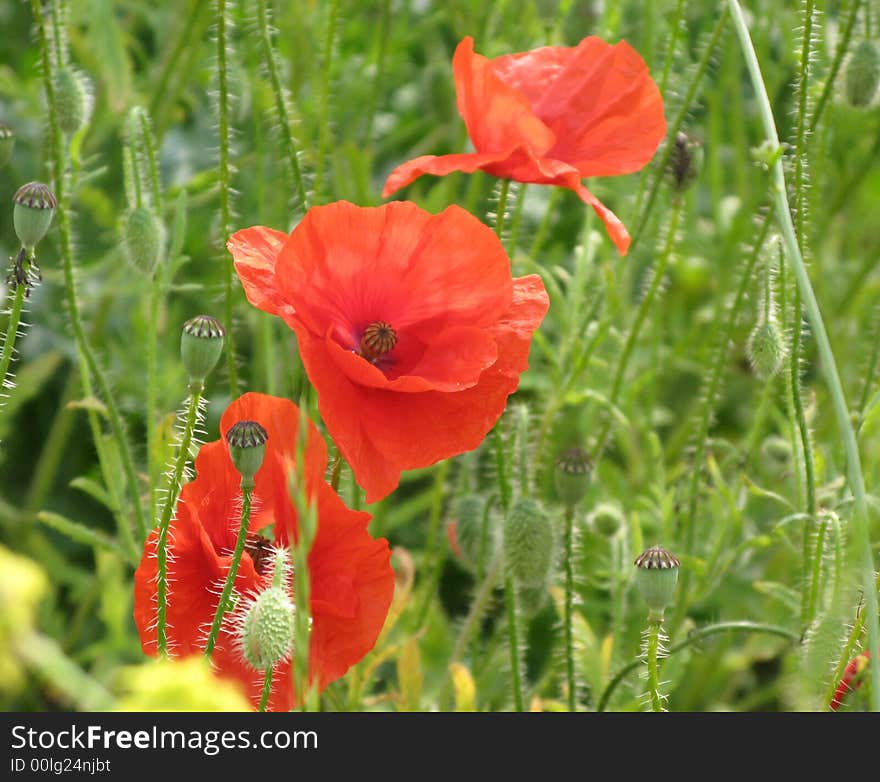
(552, 116)
(409, 325)
(351, 580)
(851, 680)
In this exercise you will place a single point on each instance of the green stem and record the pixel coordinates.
(152, 393)
(569, 609)
(90, 364)
(225, 191)
(267, 689)
(697, 635)
(379, 65)
(324, 99)
(644, 307)
(826, 355)
(513, 642)
(839, 54)
(546, 221)
(673, 129)
(291, 152)
(223, 605)
(12, 329)
(516, 220)
(653, 647)
(433, 550)
(501, 206)
(165, 520)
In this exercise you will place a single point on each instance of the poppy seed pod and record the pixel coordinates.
(573, 472)
(528, 543)
(656, 577)
(201, 344)
(7, 142)
(247, 448)
(266, 633)
(766, 350)
(862, 74)
(35, 206)
(142, 239)
(71, 100)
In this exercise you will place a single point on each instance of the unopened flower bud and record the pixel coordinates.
(862, 74)
(656, 577)
(142, 239)
(201, 344)
(35, 205)
(7, 142)
(685, 161)
(266, 632)
(607, 519)
(247, 448)
(528, 543)
(71, 100)
(766, 350)
(573, 472)
(473, 537)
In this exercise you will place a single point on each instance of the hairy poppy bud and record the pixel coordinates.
(247, 447)
(7, 142)
(766, 350)
(71, 100)
(573, 472)
(200, 346)
(34, 207)
(528, 543)
(474, 537)
(685, 161)
(607, 519)
(266, 632)
(656, 578)
(142, 239)
(862, 74)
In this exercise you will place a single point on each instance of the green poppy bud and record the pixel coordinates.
(573, 472)
(471, 542)
(685, 161)
(7, 142)
(607, 519)
(529, 541)
(247, 447)
(35, 205)
(862, 74)
(71, 100)
(656, 577)
(142, 239)
(267, 627)
(201, 344)
(766, 350)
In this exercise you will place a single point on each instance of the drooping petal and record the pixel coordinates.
(255, 251)
(438, 165)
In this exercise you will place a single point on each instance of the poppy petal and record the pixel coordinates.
(255, 251)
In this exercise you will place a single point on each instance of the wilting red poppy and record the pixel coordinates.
(409, 325)
(552, 116)
(351, 579)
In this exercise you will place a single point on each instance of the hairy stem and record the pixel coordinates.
(223, 606)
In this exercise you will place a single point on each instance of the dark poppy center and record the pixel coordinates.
(377, 340)
(260, 550)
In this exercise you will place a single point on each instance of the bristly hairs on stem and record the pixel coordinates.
(89, 367)
(226, 170)
(286, 117)
(860, 521)
(662, 161)
(325, 130)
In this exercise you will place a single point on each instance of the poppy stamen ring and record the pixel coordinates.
(377, 340)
